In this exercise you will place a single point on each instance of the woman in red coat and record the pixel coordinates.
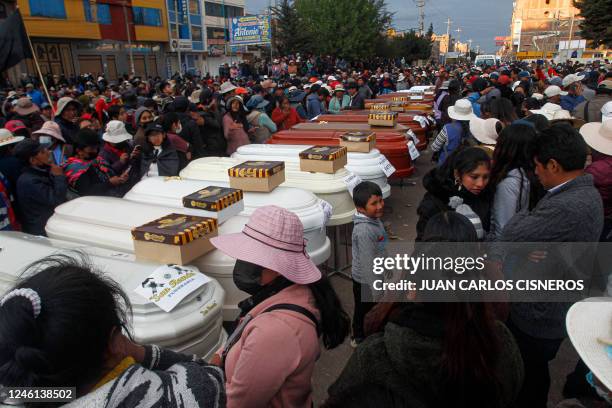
(285, 116)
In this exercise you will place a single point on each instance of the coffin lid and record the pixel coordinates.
(170, 192)
(215, 168)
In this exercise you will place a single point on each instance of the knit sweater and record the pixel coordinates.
(571, 213)
(164, 379)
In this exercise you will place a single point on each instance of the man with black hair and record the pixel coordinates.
(357, 102)
(369, 240)
(41, 187)
(117, 112)
(571, 211)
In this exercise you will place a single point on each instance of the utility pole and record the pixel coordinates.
(129, 38)
(421, 5)
(458, 31)
(178, 38)
(448, 23)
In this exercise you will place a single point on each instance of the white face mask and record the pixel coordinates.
(45, 141)
(179, 129)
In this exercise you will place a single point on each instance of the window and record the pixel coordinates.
(147, 16)
(100, 11)
(216, 10)
(215, 33)
(194, 7)
(171, 4)
(48, 8)
(196, 33)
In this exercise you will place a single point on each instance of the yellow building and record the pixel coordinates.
(548, 29)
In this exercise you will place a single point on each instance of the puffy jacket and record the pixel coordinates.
(601, 170)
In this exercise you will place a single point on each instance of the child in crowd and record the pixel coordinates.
(369, 242)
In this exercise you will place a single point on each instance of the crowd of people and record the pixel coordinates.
(522, 153)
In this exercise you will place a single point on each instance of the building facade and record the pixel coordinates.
(217, 15)
(186, 32)
(548, 29)
(109, 37)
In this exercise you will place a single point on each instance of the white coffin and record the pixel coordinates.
(194, 326)
(328, 187)
(106, 222)
(365, 165)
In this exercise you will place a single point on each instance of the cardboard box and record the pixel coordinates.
(379, 107)
(216, 202)
(398, 106)
(361, 142)
(323, 159)
(261, 176)
(388, 119)
(174, 238)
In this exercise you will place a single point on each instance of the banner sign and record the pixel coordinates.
(250, 30)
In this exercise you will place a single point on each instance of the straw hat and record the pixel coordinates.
(547, 110)
(7, 138)
(339, 88)
(115, 132)
(462, 110)
(588, 323)
(484, 130)
(598, 136)
(564, 116)
(274, 239)
(50, 128)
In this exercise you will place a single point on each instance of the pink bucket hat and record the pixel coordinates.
(273, 238)
(50, 128)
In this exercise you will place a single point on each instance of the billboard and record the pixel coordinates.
(250, 30)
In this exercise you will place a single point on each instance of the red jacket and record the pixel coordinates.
(601, 170)
(284, 120)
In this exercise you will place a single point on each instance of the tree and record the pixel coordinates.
(288, 37)
(596, 24)
(347, 28)
(430, 32)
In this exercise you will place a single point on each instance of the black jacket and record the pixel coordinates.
(39, 193)
(436, 200)
(357, 102)
(191, 134)
(69, 129)
(167, 161)
(212, 132)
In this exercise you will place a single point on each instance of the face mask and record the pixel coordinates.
(46, 141)
(179, 129)
(122, 146)
(247, 277)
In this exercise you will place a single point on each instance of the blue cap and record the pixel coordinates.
(524, 74)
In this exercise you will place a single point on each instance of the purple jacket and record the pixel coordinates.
(601, 170)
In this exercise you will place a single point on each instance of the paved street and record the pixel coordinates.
(401, 212)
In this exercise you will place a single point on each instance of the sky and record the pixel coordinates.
(479, 20)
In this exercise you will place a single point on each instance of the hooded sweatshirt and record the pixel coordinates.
(369, 242)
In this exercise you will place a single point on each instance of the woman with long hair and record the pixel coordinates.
(269, 359)
(513, 178)
(460, 184)
(235, 125)
(66, 325)
(437, 354)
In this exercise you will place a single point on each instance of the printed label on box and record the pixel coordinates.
(169, 284)
(412, 149)
(386, 166)
(351, 181)
(421, 120)
(413, 136)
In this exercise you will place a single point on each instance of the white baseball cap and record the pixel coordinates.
(553, 90)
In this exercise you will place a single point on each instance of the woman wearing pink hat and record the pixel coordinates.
(269, 359)
(50, 136)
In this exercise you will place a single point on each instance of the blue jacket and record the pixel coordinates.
(313, 106)
(473, 98)
(38, 193)
(369, 242)
(454, 131)
(36, 97)
(569, 102)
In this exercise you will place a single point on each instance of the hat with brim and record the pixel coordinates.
(116, 132)
(64, 102)
(554, 90)
(52, 129)
(589, 325)
(227, 87)
(462, 110)
(297, 96)
(274, 239)
(339, 88)
(7, 138)
(564, 116)
(25, 107)
(228, 104)
(484, 130)
(257, 102)
(547, 110)
(598, 136)
(26, 149)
